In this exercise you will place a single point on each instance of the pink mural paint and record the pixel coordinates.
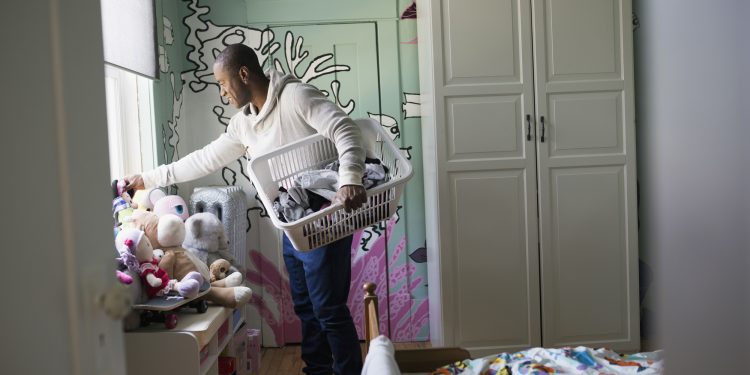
(276, 286)
(402, 307)
(368, 267)
(400, 318)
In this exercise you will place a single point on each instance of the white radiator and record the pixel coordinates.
(229, 204)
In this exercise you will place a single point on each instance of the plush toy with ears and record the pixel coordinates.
(222, 275)
(168, 233)
(138, 255)
(172, 204)
(205, 238)
(145, 199)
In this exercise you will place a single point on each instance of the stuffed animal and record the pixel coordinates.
(171, 204)
(146, 198)
(205, 238)
(122, 205)
(168, 233)
(219, 271)
(118, 190)
(138, 255)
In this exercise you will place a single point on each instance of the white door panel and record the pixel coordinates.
(582, 39)
(497, 26)
(485, 127)
(583, 273)
(587, 222)
(492, 262)
(588, 123)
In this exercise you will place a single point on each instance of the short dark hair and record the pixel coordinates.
(238, 55)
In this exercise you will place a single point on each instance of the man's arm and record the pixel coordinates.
(197, 164)
(330, 121)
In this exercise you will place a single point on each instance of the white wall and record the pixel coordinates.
(693, 110)
(56, 229)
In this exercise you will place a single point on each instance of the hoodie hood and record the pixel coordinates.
(276, 86)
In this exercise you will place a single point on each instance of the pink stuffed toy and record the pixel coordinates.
(172, 204)
(138, 255)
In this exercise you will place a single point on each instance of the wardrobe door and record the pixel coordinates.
(586, 166)
(485, 172)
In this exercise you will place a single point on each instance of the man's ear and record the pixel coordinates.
(244, 74)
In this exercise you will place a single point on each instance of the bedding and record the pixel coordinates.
(579, 360)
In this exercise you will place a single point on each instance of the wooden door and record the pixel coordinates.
(485, 170)
(586, 164)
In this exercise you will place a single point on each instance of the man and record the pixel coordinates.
(275, 110)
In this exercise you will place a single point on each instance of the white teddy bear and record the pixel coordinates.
(205, 238)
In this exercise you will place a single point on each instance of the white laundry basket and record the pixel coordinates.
(279, 168)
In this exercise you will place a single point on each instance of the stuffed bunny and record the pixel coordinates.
(137, 254)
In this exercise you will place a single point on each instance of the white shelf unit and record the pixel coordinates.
(192, 347)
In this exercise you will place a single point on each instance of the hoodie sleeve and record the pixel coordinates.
(333, 123)
(198, 163)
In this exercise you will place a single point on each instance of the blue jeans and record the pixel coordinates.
(319, 280)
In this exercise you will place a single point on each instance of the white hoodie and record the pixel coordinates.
(293, 110)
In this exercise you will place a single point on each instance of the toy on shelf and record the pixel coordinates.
(164, 309)
(169, 233)
(165, 294)
(205, 238)
(123, 205)
(220, 269)
(171, 204)
(145, 199)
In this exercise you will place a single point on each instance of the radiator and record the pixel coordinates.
(229, 204)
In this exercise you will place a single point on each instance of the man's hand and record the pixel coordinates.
(134, 182)
(351, 196)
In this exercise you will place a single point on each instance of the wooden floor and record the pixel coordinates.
(287, 361)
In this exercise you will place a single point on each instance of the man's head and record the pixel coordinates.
(236, 68)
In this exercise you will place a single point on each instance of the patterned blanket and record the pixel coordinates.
(579, 360)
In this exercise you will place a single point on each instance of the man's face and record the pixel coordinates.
(231, 86)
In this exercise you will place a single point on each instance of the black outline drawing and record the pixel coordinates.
(393, 129)
(407, 151)
(407, 102)
(224, 176)
(219, 112)
(335, 91)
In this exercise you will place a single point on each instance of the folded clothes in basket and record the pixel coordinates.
(314, 190)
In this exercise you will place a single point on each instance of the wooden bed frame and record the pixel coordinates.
(408, 360)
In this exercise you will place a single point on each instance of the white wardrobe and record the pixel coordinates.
(529, 153)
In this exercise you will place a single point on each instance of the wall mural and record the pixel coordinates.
(376, 256)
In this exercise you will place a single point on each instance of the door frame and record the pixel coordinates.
(68, 163)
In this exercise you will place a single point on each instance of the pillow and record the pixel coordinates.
(380, 359)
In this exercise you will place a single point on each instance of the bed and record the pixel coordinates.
(382, 359)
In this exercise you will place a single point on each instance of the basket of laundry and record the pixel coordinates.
(279, 175)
